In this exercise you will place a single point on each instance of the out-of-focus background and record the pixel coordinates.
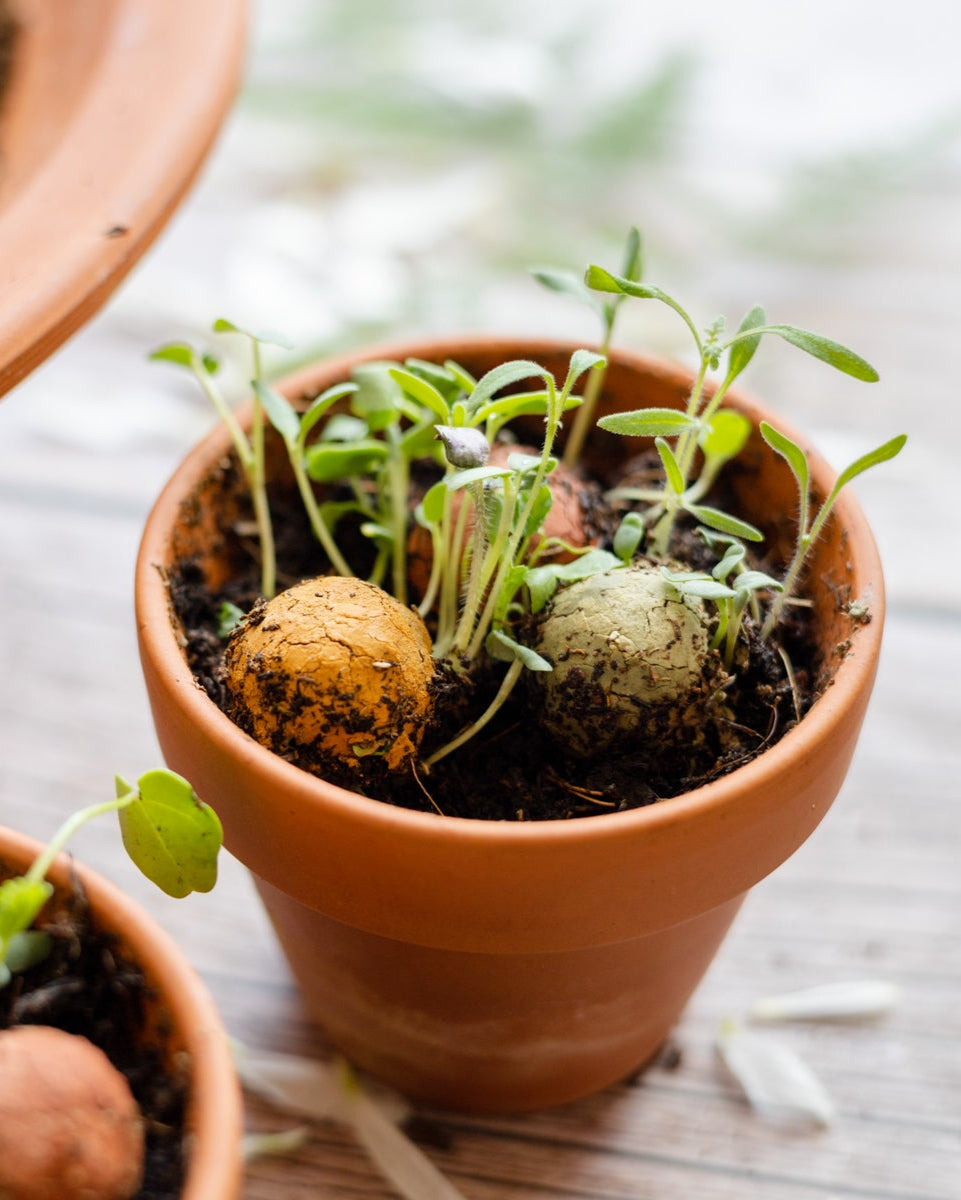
(395, 167)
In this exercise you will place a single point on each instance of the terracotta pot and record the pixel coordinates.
(182, 1003)
(110, 109)
(501, 966)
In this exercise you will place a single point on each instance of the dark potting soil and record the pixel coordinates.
(85, 987)
(512, 770)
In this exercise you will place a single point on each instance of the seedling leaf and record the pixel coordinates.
(879, 455)
(323, 403)
(280, 412)
(672, 468)
(432, 506)
(726, 436)
(628, 536)
(25, 950)
(715, 519)
(833, 353)
(742, 351)
(503, 376)
(566, 283)
(20, 901)
(328, 461)
(176, 352)
(222, 325)
(790, 451)
(171, 835)
(648, 422)
(422, 391)
(500, 646)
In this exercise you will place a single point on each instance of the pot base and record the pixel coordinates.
(490, 1033)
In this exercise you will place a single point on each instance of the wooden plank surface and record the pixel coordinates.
(876, 892)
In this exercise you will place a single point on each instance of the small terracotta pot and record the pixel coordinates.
(506, 966)
(214, 1107)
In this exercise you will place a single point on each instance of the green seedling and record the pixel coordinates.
(731, 585)
(494, 581)
(697, 425)
(808, 526)
(169, 833)
(250, 450)
(566, 282)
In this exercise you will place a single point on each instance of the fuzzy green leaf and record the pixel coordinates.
(423, 392)
(754, 581)
(538, 514)
(500, 646)
(432, 506)
(323, 403)
(464, 379)
(566, 283)
(828, 351)
(594, 562)
(672, 468)
(341, 427)
(715, 519)
(328, 461)
(280, 412)
(542, 583)
(461, 479)
(698, 584)
(627, 539)
(519, 404)
(222, 325)
(733, 557)
(171, 835)
(604, 281)
(229, 618)
(20, 902)
(377, 395)
(742, 351)
(178, 353)
(726, 436)
(880, 454)
(505, 375)
(26, 949)
(633, 262)
(648, 422)
(790, 451)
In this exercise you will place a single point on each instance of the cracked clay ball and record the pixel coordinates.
(332, 670)
(630, 657)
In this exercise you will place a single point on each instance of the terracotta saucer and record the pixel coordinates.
(108, 113)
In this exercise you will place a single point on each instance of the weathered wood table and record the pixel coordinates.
(86, 444)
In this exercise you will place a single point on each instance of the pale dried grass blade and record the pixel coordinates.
(849, 1001)
(403, 1164)
(304, 1087)
(776, 1080)
(265, 1145)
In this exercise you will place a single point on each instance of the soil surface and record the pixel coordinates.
(513, 771)
(84, 987)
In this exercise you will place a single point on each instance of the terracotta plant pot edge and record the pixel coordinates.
(215, 1106)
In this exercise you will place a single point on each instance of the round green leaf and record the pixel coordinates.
(171, 835)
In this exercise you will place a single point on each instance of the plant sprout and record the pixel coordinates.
(169, 833)
(570, 284)
(695, 426)
(403, 453)
(809, 528)
(250, 450)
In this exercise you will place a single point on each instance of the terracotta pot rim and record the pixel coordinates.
(215, 1106)
(854, 673)
(136, 138)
